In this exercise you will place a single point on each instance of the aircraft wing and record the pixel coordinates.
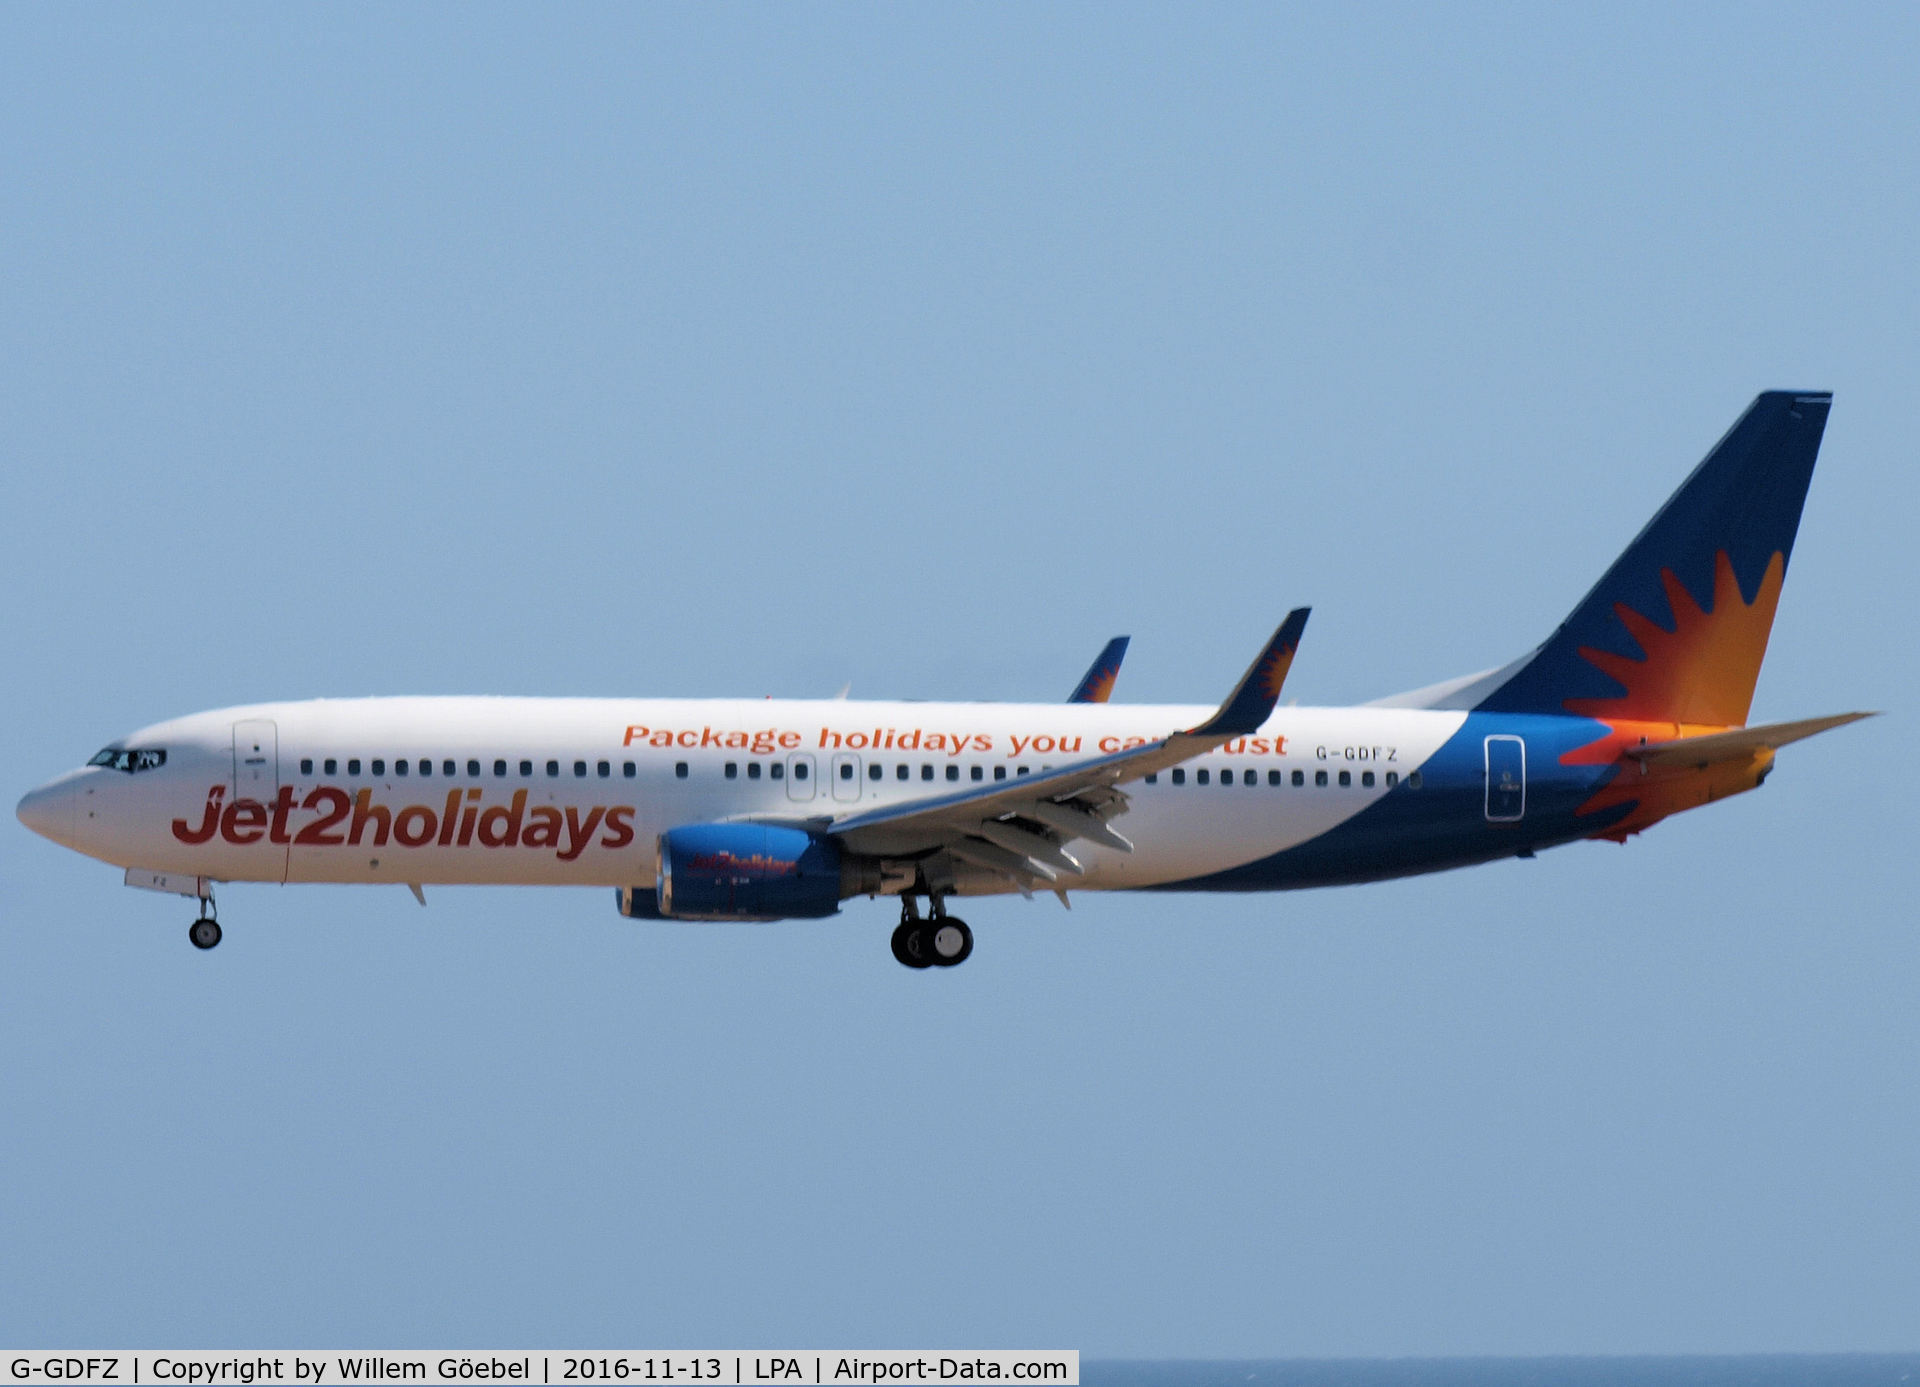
(1096, 685)
(1736, 745)
(1020, 828)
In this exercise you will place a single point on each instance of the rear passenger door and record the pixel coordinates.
(1506, 779)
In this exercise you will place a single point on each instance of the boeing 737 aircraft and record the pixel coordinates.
(754, 810)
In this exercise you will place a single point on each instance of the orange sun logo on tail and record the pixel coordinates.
(1697, 678)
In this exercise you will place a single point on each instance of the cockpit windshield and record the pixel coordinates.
(130, 759)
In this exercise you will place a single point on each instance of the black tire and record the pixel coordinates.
(910, 944)
(204, 933)
(943, 948)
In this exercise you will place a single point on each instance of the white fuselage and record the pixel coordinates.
(576, 791)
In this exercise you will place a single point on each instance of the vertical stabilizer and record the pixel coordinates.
(1676, 630)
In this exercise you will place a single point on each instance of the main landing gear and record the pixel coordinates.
(205, 932)
(941, 942)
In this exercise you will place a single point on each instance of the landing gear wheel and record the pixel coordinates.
(949, 941)
(910, 944)
(204, 933)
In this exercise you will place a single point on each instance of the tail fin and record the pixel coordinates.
(1677, 628)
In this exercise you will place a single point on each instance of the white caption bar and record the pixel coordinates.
(726, 1368)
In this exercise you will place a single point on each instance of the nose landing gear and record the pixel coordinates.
(204, 933)
(941, 942)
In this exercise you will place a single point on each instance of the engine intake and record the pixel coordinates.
(747, 872)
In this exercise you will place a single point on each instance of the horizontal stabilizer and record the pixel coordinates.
(1737, 745)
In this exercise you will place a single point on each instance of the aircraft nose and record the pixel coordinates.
(49, 810)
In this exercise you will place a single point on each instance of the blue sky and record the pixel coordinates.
(744, 350)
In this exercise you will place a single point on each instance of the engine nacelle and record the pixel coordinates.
(747, 872)
(637, 902)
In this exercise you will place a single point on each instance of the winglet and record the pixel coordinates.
(1097, 685)
(1252, 701)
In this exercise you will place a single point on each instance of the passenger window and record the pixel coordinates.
(1299, 777)
(1366, 777)
(799, 770)
(1413, 780)
(399, 767)
(500, 769)
(900, 772)
(426, 766)
(306, 765)
(1320, 777)
(379, 766)
(553, 768)
(1249, 777)
(330, 766)
(926, 772)
(974, 771)
(1179, 775)
(874, 772)
(680, 770)
(1153, 777)
(473, 770)
(733, 770)
(776, 770)
(448, 768)
(580, 770)
(999, 772)
(526, 768)
(353, 766)
(953, 772)
(753, 770)
(1201, 776)
(627, 769)
(846, 770)
(603, 769)
(1020, 770)
(1346, 777)
(1273, 777)
(1393, 779)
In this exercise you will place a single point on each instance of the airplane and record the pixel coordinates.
(737, 810)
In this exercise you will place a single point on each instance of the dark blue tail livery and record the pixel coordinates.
(1676, 629)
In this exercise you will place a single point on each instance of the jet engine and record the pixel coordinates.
(747, 872)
